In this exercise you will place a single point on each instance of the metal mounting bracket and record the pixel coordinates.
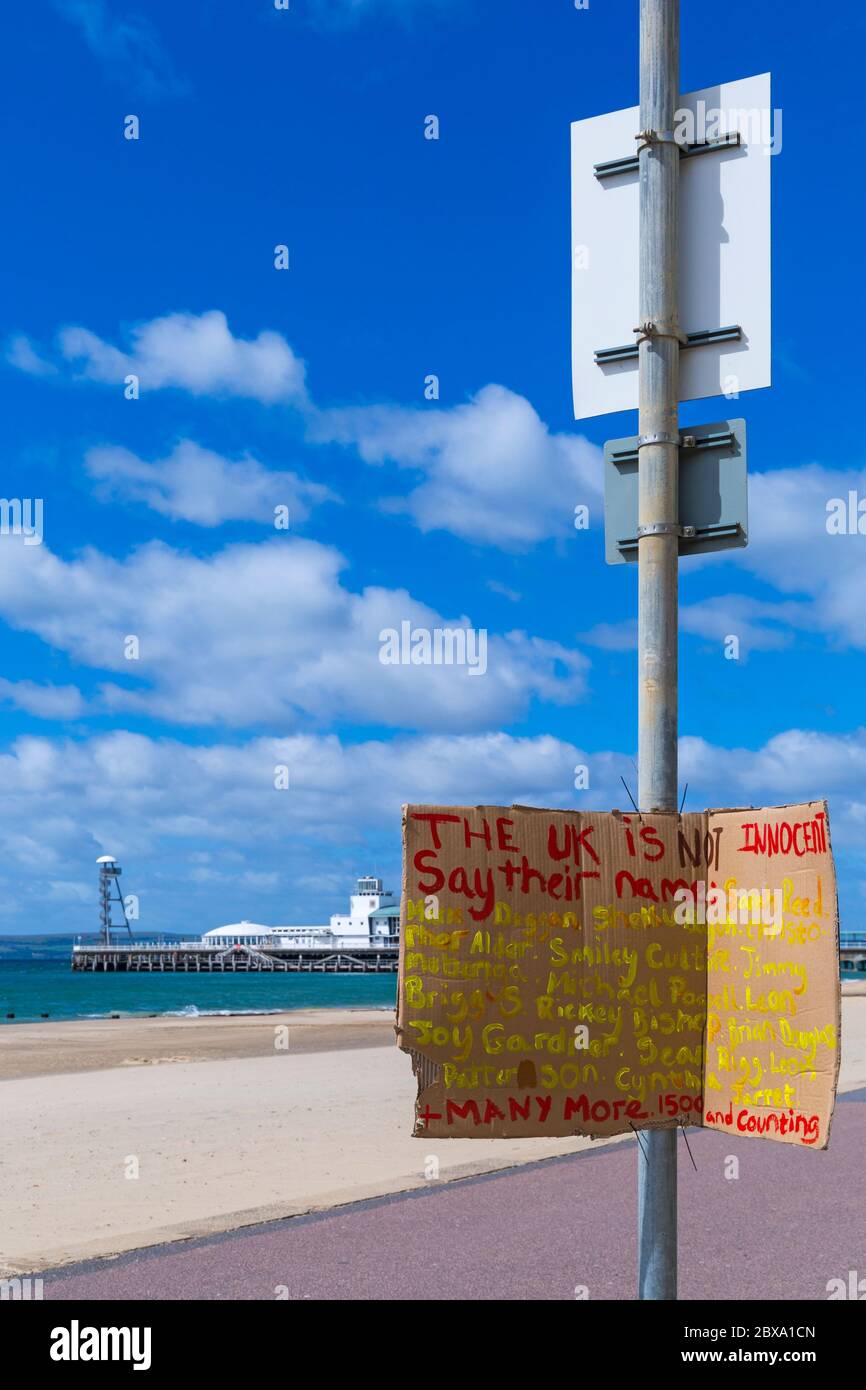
(630, 351)
(701, 443)
(630, 164)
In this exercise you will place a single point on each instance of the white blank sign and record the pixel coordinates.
(724, 261)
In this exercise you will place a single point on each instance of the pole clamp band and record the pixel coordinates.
(653, 329)
(665, 528)
(647, 138)
(661, 438)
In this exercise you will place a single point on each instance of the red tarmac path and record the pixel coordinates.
(792, 1221)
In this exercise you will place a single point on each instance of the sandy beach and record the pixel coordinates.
(52, 1049)
(121, 1133)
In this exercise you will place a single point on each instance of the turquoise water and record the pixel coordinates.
(31, 988)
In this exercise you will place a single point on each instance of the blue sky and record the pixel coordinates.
(259, 648)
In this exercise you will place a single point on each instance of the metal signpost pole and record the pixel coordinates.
(658, 545)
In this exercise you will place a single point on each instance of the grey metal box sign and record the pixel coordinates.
(713, 491)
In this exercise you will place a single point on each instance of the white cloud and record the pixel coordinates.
(210, 818)
(45, 701)
(489, 471)
(126, 44)
(266, 634)
(64, 890)
(195, 484)
(820, 577)
(791, 549)
(613, 637)
(503, 590)
(21, 353)
(492, 470)
(760, 625)
(793, 766)
(797, 765)
(197, 353)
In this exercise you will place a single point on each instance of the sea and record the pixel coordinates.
(31, 990)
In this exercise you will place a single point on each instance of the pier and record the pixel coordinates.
(852, 951)
(194, 957)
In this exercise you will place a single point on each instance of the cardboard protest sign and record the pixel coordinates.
(774, 1006)
(574, 973)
